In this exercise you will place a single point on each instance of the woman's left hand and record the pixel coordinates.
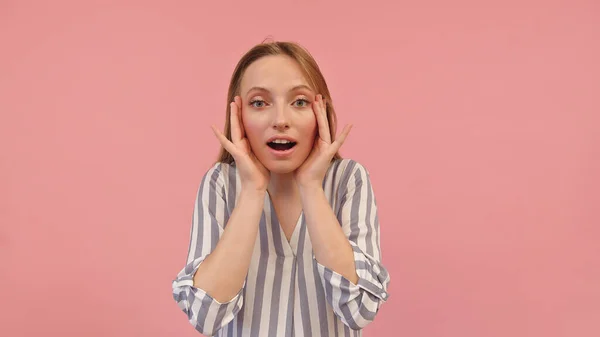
(313, 170)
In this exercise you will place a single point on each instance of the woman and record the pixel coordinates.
(285, 233)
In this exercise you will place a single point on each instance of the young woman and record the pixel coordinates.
(285, 233)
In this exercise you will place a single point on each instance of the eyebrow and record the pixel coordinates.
(301, 86)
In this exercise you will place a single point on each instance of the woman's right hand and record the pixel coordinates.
(253, 174)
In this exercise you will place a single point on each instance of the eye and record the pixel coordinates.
(257, 103)
(301, 103)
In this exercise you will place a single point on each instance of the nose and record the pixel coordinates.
(281, 120)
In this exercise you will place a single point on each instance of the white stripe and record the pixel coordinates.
(298, 326)
(362, 210)
(286, 285)
(311, 290)
(269, 276)
(204, 226)
(211, 316)
(220, 207)
(194, 231)
(252, 277)
(374, 237)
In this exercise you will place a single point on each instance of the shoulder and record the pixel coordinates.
(219, 175)
(219, 168)
(347, 166)
(346, 171)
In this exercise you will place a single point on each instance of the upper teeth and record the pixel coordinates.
(281, 141)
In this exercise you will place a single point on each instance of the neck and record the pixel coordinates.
(282, 185)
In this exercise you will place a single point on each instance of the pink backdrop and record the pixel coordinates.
(478, 122)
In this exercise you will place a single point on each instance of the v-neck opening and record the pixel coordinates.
(290, 246)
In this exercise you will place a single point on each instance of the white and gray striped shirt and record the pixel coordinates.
(287, 292)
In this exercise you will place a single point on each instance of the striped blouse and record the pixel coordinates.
(286, 291)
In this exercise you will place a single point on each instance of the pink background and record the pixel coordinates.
(479, 122)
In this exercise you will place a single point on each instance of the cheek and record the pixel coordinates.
(254, 129)
(309, 127)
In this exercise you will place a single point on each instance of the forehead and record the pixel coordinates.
(277, 73)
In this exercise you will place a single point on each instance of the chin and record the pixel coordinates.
(281, 167)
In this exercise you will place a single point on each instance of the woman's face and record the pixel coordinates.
(277, 113)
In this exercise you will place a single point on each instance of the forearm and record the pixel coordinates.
(330, 245)
(223, 272)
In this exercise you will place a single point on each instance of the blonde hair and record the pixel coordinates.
(309, 68)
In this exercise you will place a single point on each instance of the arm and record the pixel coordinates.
(209, 288)
(346, 248)
(331, 247)
(223, 272)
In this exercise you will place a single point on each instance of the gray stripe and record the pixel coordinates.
(202, 313)
(188, 277)
(376, 229)
(276, 231)
(328, 275)
(227, 171)
(220, 314)
(369, 235)
(289, 324)
(366, 313)
(335, 325)
(344, 299)
(320, 301)
(190, 296)
(232, 188)
(383, 273)
(304, 308)
(229, 328)
(239, 320)
(279, 261)
(361, 265)
(343, 186)
(260, 278)
(212, 210)
(334, 170)
(356, 201)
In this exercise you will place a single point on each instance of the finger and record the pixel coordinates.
(342, 138)
(238, 101)
(234, 123)
(322, 124)
(331, 124)
(223, 140)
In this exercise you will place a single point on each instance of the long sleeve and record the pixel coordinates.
(210, 214)
(357, 304)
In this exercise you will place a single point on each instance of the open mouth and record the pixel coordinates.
(281, 145)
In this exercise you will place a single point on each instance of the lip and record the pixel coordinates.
(281, 154)
(282, 137)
